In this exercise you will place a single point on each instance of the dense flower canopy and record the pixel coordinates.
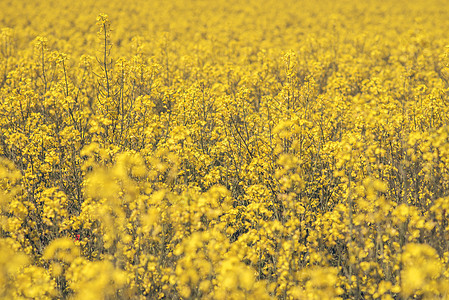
(224, 149)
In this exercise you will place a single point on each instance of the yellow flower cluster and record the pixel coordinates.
(224, 149)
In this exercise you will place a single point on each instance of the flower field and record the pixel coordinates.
(224, 149)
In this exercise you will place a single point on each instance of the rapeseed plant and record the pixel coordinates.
(224, 150)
